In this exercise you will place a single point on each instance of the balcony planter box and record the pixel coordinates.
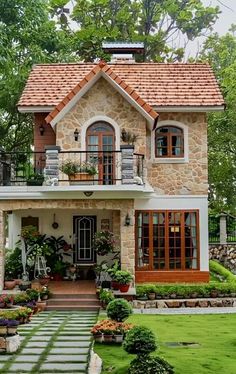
(34, 182)
(81, 178)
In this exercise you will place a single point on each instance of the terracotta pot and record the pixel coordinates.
(18, 281)
(41, 305)
(9, 285)
(118, 338)
(107, 338)
(115, 285)
(97, 338)
(124, 287)
(44, 281)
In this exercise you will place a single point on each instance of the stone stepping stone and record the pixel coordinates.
(19, 367)
(48, 328)
(40, 338)
(32, 344)
(75, 338)
(27, 358)
(66, 358)
(63, 344)
(69, 350)
(5, 358)
(33, 351)
(43, 333)
(64, 368)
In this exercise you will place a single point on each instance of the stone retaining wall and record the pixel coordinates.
(225, 254)
(185, 303)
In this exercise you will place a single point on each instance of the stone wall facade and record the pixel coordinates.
(184, 178)
(225, 254)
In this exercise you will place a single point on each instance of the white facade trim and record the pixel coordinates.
(35, 109)
(87, 86)
(187, 109)
(172, 160)
(186, 203)
(98, 118)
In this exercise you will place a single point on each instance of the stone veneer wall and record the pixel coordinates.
(184, 178)
(225, 254)
(170, 179)
(101, 99)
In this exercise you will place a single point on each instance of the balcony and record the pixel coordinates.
(75, 168)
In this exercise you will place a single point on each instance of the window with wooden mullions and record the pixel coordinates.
(169, 142)
(167, 240)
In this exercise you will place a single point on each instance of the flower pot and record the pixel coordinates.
(214, 294)
(194, 295)
(44, 297)
(34, 182)
(107, 338)
(3, 330)
(12, 330)
(25, 286)
(9, 285)
(118, 338)
(115, 285)
(2, 305)
(124, 287)
(44, 281)
(9, 305)
(97, 338)
(152, 296)
(41, 305)
(18, 281)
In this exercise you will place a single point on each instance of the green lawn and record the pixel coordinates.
(216, 335)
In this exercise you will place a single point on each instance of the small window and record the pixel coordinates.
(169, 142)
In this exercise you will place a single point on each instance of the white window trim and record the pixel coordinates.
(170, 160)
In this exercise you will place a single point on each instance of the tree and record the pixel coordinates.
(160, 24)
(221, 54)
(27, 36)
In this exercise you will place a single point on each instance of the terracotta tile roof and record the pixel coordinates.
(106, 69)
(157, 84)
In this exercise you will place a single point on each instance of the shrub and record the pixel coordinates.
(150, 365)
(32, 294)
(119, 310)
(106, 296)
(150, 288)
(140, 340)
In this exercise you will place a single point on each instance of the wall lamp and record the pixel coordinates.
(76, 134)
(41, 130)
(127, 220)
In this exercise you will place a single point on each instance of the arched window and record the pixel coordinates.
(100, 138)
(169, 142)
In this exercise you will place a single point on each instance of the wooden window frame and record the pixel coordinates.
(150, 266)
(169, 136)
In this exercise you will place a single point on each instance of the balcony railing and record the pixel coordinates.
(55, 167)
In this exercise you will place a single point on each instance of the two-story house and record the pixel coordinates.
(143, 126)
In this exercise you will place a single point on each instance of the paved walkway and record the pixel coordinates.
(54, 342)
(225, 310)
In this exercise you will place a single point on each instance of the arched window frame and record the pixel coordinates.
(173, 159)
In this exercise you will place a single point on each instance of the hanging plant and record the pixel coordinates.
(104, 242)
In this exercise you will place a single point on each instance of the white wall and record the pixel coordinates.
(181, 203)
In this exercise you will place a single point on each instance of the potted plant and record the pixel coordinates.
(112, 272)
(25, 285)
(119, 334)
(124, 279)
(35, 179)
(97, 334)
(9, 282)
(44, 294)
(78, 171)
(8, 300)
(105, 297)
(3, 326)
(107, 335)
(59, 270)
(12, 326)
(151, 291)
(104, 242)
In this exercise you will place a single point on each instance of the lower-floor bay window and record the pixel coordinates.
(167, 240)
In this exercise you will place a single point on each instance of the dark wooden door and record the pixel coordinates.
(84, 228)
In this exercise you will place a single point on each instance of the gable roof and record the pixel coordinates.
(160, 85)
(101, 70)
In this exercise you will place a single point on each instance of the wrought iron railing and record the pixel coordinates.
(87, 167)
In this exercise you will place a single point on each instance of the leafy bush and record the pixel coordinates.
(150, 365)
(119, 310)
(106, 296)
(13, 265)
(140, 340)
(123, 277)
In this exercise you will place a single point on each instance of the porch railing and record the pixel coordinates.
(92, 167)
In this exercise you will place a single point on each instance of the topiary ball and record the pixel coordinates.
(140, 340)
(119, 310)
(150, 365)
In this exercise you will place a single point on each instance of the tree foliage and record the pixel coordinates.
(221, 53)
(160, 24)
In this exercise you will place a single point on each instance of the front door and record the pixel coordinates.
(84, 228)
(100, 147)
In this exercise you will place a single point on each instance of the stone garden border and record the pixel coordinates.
(185, 303)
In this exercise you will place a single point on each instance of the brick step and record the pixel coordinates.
(60, 301)
(73, 307)
(73, 296)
